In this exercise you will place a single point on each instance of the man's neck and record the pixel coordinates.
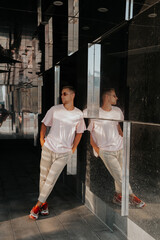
(107, 107)
(69, 106)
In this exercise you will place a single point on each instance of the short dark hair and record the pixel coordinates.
(106, 91)
(71, 88)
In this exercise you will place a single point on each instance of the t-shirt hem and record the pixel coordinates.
(113, 150)
(53, 150)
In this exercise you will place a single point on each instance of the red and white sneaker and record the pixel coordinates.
(135, 201)
(34, 213)
(44, 209)
(117, 199)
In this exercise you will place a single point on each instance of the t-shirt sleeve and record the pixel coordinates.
(90, 126)
(81, 126)
(48, 119)
(121, 115)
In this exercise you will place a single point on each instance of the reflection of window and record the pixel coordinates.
(36, 57)
(93, 95)
(73, 26)
(48, 44)
(56, 84)
(129, 10)
(39, 11)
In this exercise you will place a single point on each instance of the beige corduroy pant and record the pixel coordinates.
(113, 162)
(51, 166)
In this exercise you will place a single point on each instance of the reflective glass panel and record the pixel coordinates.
(56, 85)
(73, 26)
(93, 88)
(145, 178)
(143, 66)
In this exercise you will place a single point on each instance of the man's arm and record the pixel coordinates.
(93, 144)
(76, 141)
(42, 133)
(120, 130)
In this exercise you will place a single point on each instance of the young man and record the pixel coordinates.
(106, 138)
(67, 125)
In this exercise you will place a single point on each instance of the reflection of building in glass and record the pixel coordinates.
(73, 26)
(49, 44)
(93, 98)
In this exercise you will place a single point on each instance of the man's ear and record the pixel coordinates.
(73, 95)
(107, 96)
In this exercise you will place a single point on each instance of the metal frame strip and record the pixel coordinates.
(125, 168)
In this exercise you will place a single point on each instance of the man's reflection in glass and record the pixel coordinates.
(106, 138)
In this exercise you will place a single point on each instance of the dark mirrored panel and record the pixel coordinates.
(98, 17)
(145, 177)
(140, 6)
(143, 67)
(114, 64)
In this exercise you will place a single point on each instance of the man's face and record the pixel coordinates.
(67, 96)
(111, 98)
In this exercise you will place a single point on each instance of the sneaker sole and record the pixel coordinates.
(138, 205)
(32, 217)
(44, 213)
(141, 205)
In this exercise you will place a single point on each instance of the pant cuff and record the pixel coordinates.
(42, 199)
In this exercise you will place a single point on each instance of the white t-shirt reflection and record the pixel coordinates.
(105, 132)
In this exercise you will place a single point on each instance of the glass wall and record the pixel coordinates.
(130, 64)
(145, 176)
(143, 66)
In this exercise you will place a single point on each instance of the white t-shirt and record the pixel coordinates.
(105, 132)
(64, 124)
